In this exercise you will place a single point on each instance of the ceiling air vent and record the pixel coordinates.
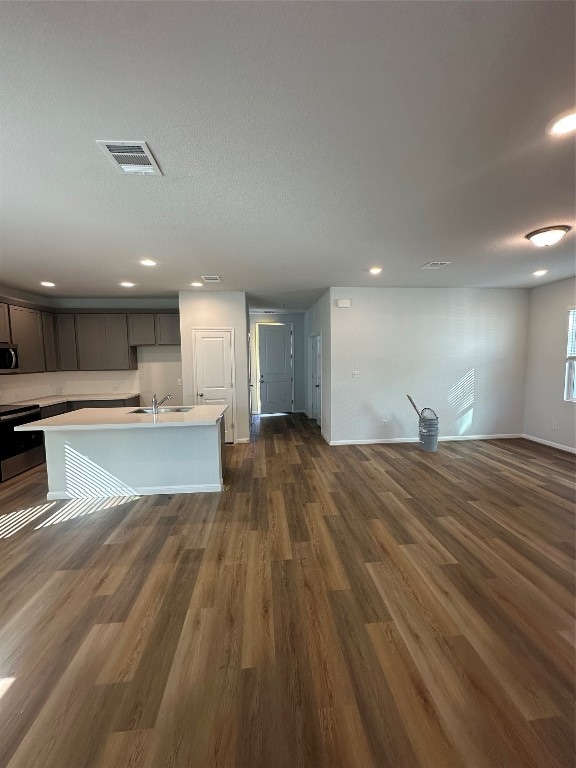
(211, 278)
(435, 264)
(130, 156)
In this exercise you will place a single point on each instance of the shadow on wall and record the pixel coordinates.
(461, 396)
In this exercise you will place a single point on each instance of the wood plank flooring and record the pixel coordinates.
(345, 607)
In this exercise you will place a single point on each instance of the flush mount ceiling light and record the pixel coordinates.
(147, 262)
(196, 285)
(564, 123)
(540, 272)
(48, 284)
(127, 284)
(375, 270)
(546, 236)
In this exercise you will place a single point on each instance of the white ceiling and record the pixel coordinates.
(301, 143)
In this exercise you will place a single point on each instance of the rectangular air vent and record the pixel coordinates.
(130, 156)
(211, 278)
(435, 264)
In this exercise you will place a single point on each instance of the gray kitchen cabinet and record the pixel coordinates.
(4, 324)
(50, 346)
(66, 338)
(47, 411)
(141, 330)
(75, 405)
(26, 326)
(168, 329)
(102, 341)
(132, 402)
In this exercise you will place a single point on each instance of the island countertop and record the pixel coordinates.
(125, 418)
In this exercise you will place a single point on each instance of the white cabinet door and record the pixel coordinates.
(275, 362)
(214, 373)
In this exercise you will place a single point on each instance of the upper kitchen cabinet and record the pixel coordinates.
(141, 330)
(102, 342)
(148, 329)
(26, 327)
(66, 336)
(168, 329)
(4, 325)
(50, 346)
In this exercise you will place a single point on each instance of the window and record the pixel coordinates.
(570, 383)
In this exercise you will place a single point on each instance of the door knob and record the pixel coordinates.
(317, 385)
(200, 394)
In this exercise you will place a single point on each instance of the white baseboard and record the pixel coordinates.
(147, 491)
(443, 438)
(559, 446)
(241, 440)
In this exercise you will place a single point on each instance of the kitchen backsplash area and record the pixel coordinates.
(14, 388)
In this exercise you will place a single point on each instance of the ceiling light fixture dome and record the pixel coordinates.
(148, 262)
(375, 270)
(48, 284)
(563, 124)
(540, 272)
(127, 284)
(547, 235)
(196, 285)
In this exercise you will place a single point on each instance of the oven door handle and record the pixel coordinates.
(13, 416)
(14, 360)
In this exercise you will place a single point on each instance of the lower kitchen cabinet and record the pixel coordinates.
(47, 411)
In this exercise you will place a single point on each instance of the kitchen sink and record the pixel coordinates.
(170, 409)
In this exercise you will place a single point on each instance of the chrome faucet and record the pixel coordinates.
(156, 404)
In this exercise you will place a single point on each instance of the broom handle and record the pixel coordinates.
(413, 405)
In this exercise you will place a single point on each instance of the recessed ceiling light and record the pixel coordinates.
(127, 284)
(48, 284)
(375, 270)
(147, 262)
(564, 123)
(547, 235)
(540, 272)
(196, 285)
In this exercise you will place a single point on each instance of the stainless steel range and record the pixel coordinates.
(19, 450)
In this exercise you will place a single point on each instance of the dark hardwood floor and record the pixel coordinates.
(345, 607)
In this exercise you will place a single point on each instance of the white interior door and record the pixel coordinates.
(316, 376)
(275, 367)
(214, 373)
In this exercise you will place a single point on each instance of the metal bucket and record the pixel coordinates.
(428, 430)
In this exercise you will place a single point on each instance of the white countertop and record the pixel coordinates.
(122, 418)
(57, 399)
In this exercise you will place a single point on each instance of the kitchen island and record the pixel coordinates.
(113, 452)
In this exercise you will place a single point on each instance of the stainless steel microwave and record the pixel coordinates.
(8, 357)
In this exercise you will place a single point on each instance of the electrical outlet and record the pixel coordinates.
(555, 426)
(355, 374)
(384, 422)
(179, 382)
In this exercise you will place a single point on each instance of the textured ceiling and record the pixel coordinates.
(301, 143)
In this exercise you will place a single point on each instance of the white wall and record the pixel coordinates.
(297, 320)
(547, 338)
(461, 352)
(160, 373)
(317, 321)
(217, 309)
(27, 386)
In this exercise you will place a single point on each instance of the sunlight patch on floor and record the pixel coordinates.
(13, 522)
